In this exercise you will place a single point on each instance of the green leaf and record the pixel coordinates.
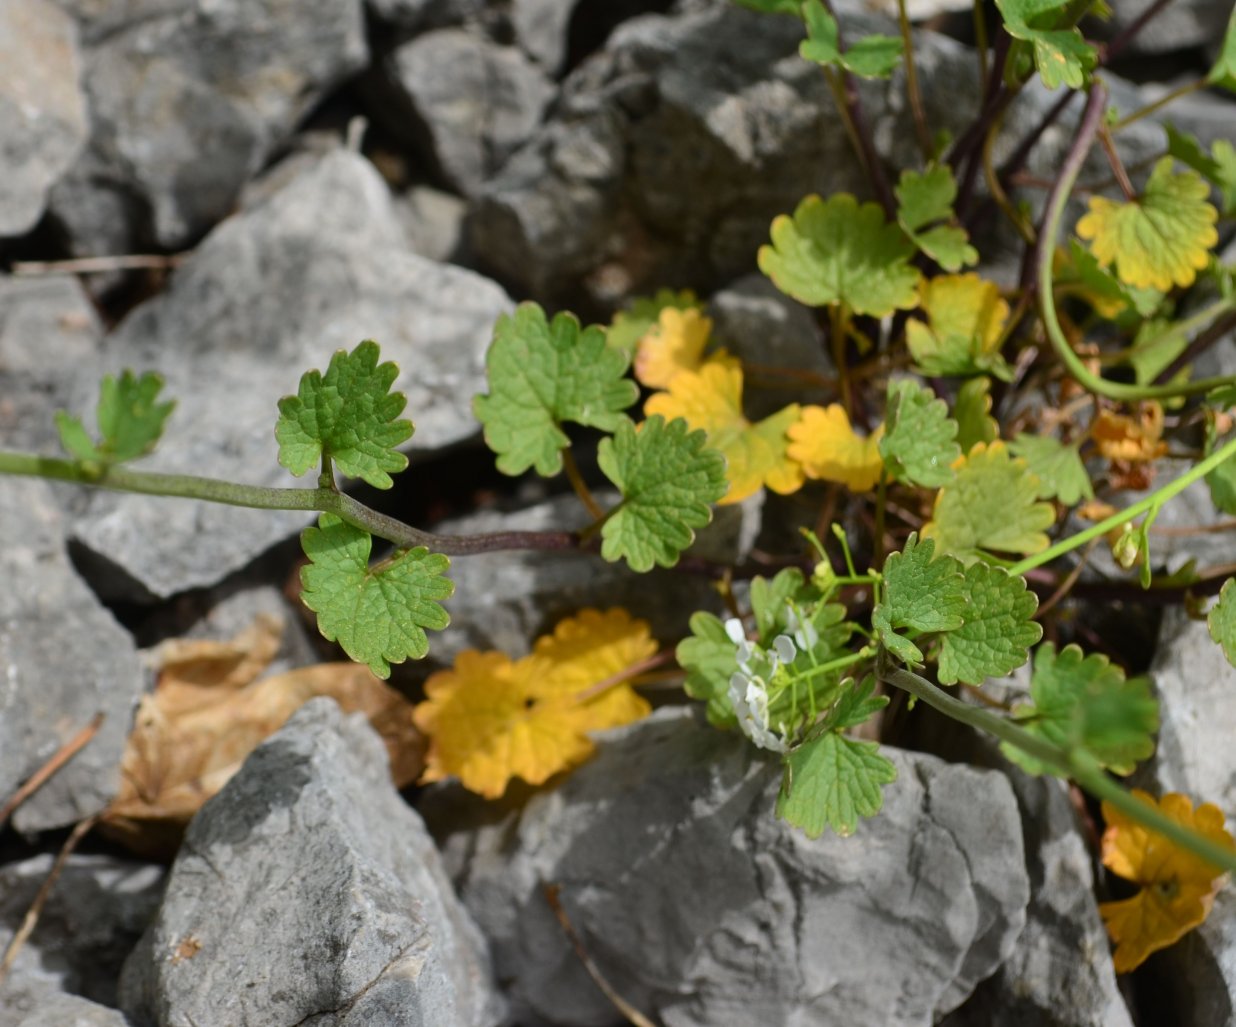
(1222, 479)
(1084, 702)
(771, 6)
(922, 592)
(972, 412)
(769, 598)
(991, 504)
(995, 638)
(1222, 620)
(1224, 72)
(856, 705)
(919, 443)
(542, 374)
(1103, 290)
(349, 415)
(631, 325)
(871, 57)
(830, 781)
(840, 252)
(668, 477)
(1160, 239)
(709, 657)
(1158, 342)
(1218, 167)
(926, 198)
(964, 330)
(1059, 468)
(1061, 55)
(130, 421)
(378, 614)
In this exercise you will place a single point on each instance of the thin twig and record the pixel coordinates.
(632, 1014)
(1200, 344)
(1113, 49)
(40, 900)
(1117, 165)
(635, 670)
(58, 759)
(99, 265)
(579, 485)
(1066, 583)
(912, 91)
(1160, 103)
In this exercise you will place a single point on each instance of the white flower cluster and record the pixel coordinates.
(749, 684)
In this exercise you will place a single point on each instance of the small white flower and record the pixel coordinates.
(735, 631)
(784, 648)
(749, 697)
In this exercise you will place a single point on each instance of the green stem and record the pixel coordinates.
(1091, 119)
(260, 497)
(1156, 498)
(1078, 766)
(1161, 102)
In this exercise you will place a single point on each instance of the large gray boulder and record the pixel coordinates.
(700, 908)
(463, 103)
(188, 99)
(318, 265)
(42, 110)
(63, 659)
(306, 891)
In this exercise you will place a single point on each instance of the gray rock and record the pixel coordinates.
(32, 1002)
(667, 156)
(1196, 688)
(319, 266)
(1181, 25)
(421, 15)
(93, 917)
(540, 28)
(433, 223)
(505, 600)
(63, 659)
(49, 339)
(757, 322)
(42, 110)
(463, 102)
(307, 891)
(699, 907)
(187, 100)
(1059, 973)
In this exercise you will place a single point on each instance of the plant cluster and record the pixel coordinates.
(948, 508)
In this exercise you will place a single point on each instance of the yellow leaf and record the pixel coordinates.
(209, 711)
(965, 316)
(490, 718)
(756, 455)
(827, 447)
(676, 343)
(1120, 437)
(1178, 887)
(1161, 239)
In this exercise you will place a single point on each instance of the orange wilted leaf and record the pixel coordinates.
(675, 343)
(208, 712)
(1178, 887)
(1140, 439)
(827, 447)
(491, 718)
(755, 454)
